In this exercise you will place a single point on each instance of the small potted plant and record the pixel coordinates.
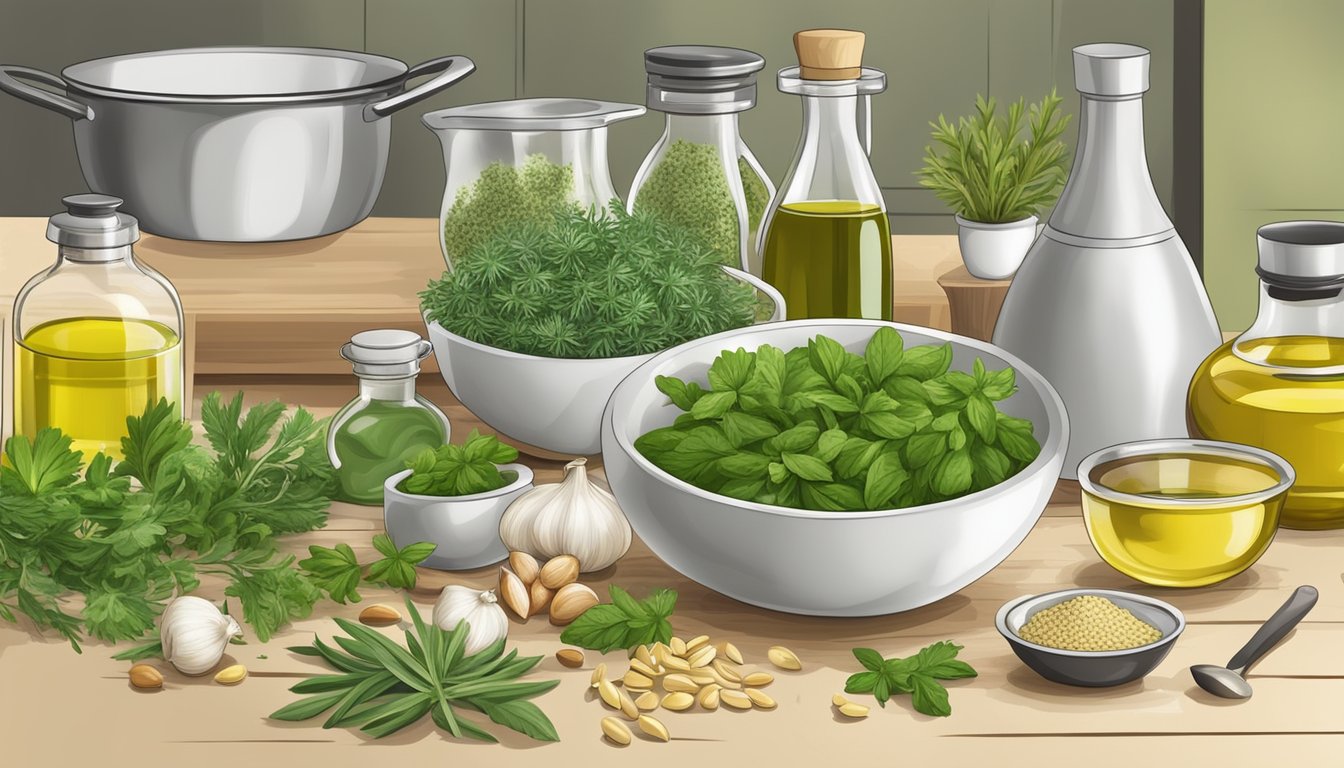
(996, 179)
(454, 496)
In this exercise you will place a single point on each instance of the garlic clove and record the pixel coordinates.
(486, 620)
(573, 517)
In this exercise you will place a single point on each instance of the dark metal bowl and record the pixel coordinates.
(1094, 669)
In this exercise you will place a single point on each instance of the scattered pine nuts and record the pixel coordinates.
(616, 731)
(784, 658)
(653, 727)
(570, 657)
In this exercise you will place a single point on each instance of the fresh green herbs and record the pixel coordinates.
(822, 428)
(589, 285)
(337, 571)
(383, 687)
(916, 675)
(689, 188)
(504, 197)
(461, 470)
(127, 548)
(624, 622)
(986, 172)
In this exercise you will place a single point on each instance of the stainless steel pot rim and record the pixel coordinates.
(1052, 447)
(76, 76)
(1190, 446)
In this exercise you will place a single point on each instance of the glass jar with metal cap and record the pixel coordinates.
(522, 161)
(388, 423)
(1280, 385)
(826, 241)
(701, 175)
(98, 336)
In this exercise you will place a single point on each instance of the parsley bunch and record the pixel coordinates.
(130, 536)
(822, 428)
(916, 675)
(589, 285)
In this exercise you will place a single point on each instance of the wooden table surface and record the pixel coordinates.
(60, 709)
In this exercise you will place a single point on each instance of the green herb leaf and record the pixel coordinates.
(870, 659)
(623, 623)
(917, 675)
(929, 697)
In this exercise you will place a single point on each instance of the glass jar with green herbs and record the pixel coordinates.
(700, 175)
(519, 162)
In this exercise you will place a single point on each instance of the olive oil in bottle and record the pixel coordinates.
(1263, 392)
(830, 259)
(85, 375)
(98, 336)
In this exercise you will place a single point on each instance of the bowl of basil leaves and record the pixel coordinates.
(834, 467)
(454, 497)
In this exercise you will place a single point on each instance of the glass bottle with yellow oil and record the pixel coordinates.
(98, 336)
(1280, 385)
(826, 241)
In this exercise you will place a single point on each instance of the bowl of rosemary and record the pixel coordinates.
(534, 328)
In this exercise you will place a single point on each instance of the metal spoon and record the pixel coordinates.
(1229, 682)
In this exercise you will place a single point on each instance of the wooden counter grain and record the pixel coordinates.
(60, 709)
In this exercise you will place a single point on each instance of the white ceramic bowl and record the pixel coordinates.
(826, 563)
(546, 402)
(464, 528)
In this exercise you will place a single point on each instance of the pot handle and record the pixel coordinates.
(450, 69)
(10, 82)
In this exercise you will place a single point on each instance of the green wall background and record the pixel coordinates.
(1272, 118)
(937, 55)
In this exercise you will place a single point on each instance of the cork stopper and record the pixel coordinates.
(829, 54)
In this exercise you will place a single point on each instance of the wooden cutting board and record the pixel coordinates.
(286, 308)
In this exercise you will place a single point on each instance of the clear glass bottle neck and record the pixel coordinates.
(1308, 317)
(394, 390)
(720, 130)
(832, 162)
(67, 253)
(1109, 193)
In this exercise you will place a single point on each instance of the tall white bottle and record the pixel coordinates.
(1108, 305)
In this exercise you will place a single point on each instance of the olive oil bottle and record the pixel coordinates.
(826, 242)
(831, 259)
(1280, 384)
(98, 337)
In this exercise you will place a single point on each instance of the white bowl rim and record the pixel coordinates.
(1001, 621)
(1193, 447)
(524, 479)
(511, 355)
(1054, 407)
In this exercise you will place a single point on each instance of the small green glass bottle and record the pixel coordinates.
(374, 435)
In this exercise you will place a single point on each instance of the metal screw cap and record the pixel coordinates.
(1110, 69)
(1302, 250)
(92, 221)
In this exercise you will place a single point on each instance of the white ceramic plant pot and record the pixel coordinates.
(465, 529)
(995, 251)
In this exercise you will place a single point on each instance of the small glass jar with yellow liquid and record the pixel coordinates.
(1280, 385)
(98, 336)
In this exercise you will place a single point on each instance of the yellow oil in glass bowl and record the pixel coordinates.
(1182, 513)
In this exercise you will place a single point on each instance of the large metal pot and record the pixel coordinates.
(242, 144)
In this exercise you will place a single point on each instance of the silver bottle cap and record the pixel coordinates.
(92, 221)
(1302, 250)
(701, 79)
(1110, 69)
(386, 353)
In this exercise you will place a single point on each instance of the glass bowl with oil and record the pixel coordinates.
(1180, 512)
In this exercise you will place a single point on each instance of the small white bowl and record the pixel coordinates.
(465, 529)
(995, 251)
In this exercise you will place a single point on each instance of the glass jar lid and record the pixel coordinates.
(543, 114)
(869, 81)
(92, 221)
(386, 353)
(701, 79)
(1302, 251)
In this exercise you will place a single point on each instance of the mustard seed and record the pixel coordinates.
(1088, 623)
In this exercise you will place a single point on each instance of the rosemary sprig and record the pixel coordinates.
(384, 687)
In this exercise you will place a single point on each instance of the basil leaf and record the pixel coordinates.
(830, 443)
(925, 449)
(794, 440)
(1000, 385)
(832, 497)
(862, 682)
(929, 696)
(857, 456)
(714, 405)
(1016, 440)
(827, 357)
(963, 383)
(731, 370)
(925, 362)
(741, 428)
(982, 417)
(991, 466)
(766, 385)
(744, 465)
(883, 354)
(954, 474)
(833, 400)
(807, 467)
(870, 659)
(885, 479)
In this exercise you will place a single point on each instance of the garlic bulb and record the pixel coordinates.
(194, 634)
(481, 610)
(571, 517)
